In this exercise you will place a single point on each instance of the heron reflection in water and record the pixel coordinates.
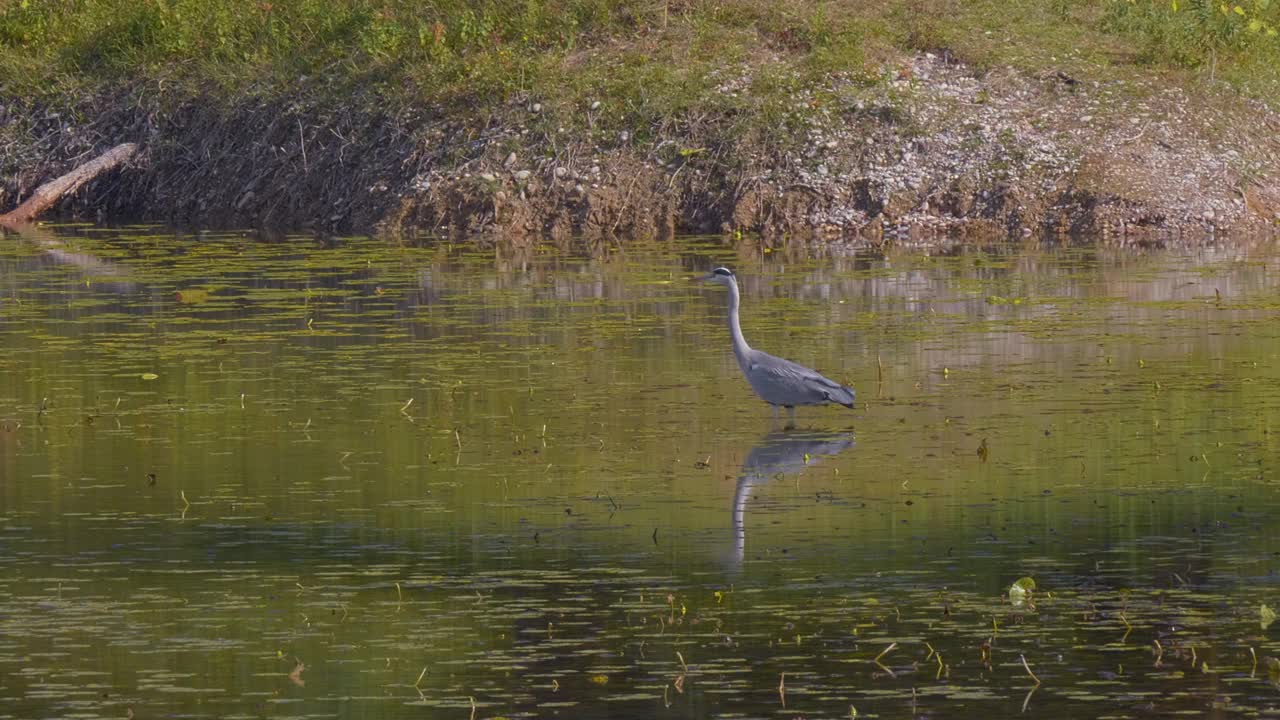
(778, 453)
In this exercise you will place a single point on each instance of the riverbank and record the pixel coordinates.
(887, 121)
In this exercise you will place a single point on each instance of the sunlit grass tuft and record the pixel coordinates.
(647, 61)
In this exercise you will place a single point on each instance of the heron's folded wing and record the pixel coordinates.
(786, 371)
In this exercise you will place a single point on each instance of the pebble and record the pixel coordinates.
(595, 105)
(488, 177)
(523, 175)
(561, 172)
(537, 107)
(511, 160)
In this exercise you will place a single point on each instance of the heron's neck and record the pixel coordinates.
(740, 346)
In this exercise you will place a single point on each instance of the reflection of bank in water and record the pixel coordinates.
(778, 454)
(103, 275)
(107, 276)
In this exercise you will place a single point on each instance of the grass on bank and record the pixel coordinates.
(649, 60)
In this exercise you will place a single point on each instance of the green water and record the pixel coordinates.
(244, 478)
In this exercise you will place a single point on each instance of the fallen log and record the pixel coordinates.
(51, 192)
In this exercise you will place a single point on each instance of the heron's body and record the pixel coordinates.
(777, 381)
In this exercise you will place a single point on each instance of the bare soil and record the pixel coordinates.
(938, 149)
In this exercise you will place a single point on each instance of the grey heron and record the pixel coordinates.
(777, 381)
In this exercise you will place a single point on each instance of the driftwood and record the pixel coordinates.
(54, 190)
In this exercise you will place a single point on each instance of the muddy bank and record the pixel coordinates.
(934, 148)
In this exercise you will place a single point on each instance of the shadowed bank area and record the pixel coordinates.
(888, 121)
(353, 477)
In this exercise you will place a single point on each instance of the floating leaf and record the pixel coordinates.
(1020, 589)
(192, 296)
(150, 376)
(600, 680)
(1267, 616)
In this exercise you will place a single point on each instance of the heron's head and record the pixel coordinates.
(720, 276)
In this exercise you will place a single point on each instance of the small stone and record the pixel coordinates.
(488, 177)
(511, 160)
(560, 172)
(822, 170)
(624, 136)
(1208, 215)
(537, 107)
(595, 105)
(523, 175)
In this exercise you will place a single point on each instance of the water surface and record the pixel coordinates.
(303, 478)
